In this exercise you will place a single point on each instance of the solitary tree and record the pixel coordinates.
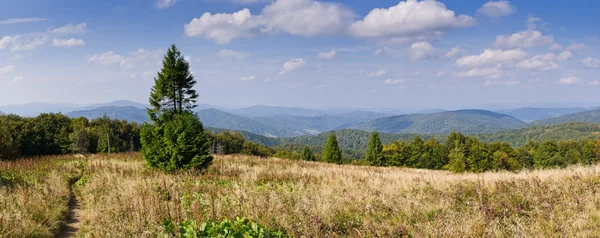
(176, 139)
(374, 152)
(307, 155)
(331, 152)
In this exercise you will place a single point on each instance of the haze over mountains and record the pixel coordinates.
(293, 121)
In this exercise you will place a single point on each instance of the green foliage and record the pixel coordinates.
(240, 227)
(374, 152)
(331, 152)
(179, 143)
(307, 155)
(591, 116)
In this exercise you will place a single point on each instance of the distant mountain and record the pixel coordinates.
(559, 132)
(533, 114)
(121, 103)
(364, 115)
(220, 119)
(36, 108)
(465, 121)
(128, 113)
(269, 111)
(302, 125)
(591, 116)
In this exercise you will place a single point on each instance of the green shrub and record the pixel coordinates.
(179, 143)
(241, 227)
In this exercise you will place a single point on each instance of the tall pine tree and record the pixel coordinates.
(374, 151)
(307, 155)
(176, 139)
(173, 91)
(331, 152)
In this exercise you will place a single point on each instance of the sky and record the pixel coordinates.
(306, 53)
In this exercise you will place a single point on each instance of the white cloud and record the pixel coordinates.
(531, 22)
(478, 72)
(568, 80)
(422, 51)
(386, 50)
(491, 57)
(17, 80)
(21, 20)
(320, 86)
(7, 69)
(591, 62)
(595, 83)
(565, 55)
(577, 47)
(327, 55)
(378, 73)
(106, 58)
(162, 4)
(68, 42)
(292, 65)
(306, 17)
(497, 82)
(19, 43)
(539, 63)
(524, 39)
(227, 53)
(224, 27)
(394, 81)
(555, 46)
(496, 9)
(249, 1)
(441, 74)
(455, 51)
(71, 29)
(409, 20)
(248, 78)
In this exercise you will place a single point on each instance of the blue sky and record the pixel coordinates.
(357, 53)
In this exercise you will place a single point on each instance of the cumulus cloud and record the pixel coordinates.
(71, 29)
(422, 51)
(162, 4)
(7, 69)
(20, 43)
(21, 20)
(568, 80)
(327, 55)
(595, 83)
(455, 51)
(410, 19)
(565, 55)
(479, 72)
(555, 46)
(248, 78)
(577, 47)
(498, 82)
(394, 81)
(496, 9)
(539, 63)
(491, 57)
(227, 53)
(18, 80)
(292, 65)
(68, 42)
(524, 39)
(441, 74)
(106, 58)
(378, 73)
(224, 27)
(591, 62)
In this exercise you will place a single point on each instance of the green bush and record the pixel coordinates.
(241, 227)
(179, 143)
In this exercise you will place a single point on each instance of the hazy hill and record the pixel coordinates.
(465, 121)
(533, 114)
(36, 108)
(220, 119)
(128, 113)
(364, 115)
(121, 103)
(591, 116)
(269, 111)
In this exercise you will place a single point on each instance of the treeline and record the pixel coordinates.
(462, 153)
(55, 134)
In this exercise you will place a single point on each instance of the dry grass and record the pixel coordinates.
(34, 195)
(124, 198)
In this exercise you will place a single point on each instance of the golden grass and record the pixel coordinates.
(124, 198)
(34, 196)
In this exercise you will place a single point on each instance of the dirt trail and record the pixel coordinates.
(73, 217)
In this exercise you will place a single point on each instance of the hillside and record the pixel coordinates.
(465, 121)
(269, 111)
(529, 114)
(128, 113)
(591, 116)
(220, 119)
(565, 131)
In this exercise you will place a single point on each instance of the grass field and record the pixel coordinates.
(121, 197)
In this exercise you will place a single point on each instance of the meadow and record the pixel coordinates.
(122, 197)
